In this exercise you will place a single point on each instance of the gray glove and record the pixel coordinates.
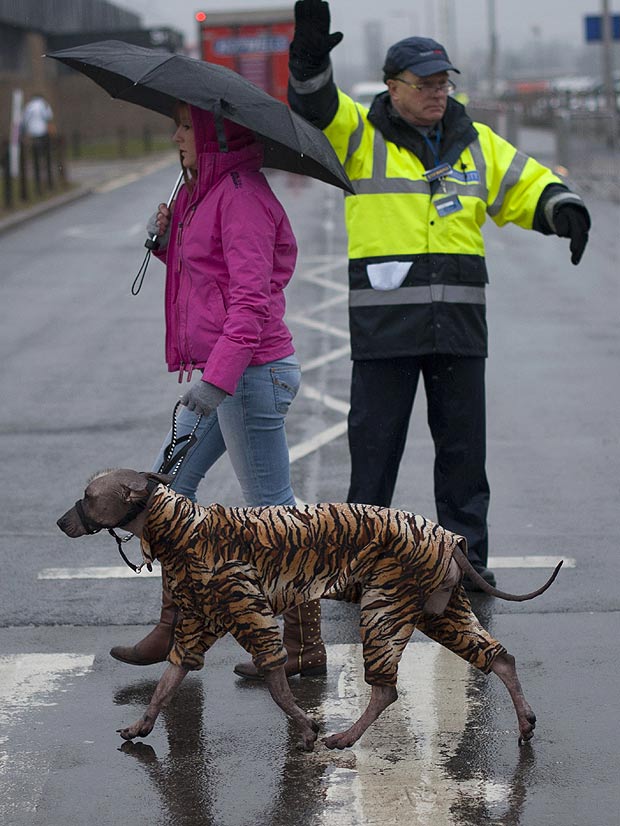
(152, 229)
(203, 397)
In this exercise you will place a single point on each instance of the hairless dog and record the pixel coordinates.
(234, 569)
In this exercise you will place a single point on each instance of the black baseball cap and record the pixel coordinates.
(421, 55)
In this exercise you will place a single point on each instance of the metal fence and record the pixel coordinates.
(41, 170)
(583, 145)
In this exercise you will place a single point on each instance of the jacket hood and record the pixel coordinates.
(205, 132)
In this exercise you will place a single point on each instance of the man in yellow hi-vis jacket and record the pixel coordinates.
(425, 178)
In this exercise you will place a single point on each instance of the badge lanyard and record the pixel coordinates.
(449, 202)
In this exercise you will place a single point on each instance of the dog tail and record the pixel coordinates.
(467, 568)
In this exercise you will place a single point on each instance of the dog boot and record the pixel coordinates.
(155, 647)
(303, 643)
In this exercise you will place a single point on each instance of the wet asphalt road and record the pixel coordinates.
(84, 388)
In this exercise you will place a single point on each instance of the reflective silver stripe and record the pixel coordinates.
(379, 157)
(389, 186)
(560, 198)
(380, 184)
(447, 293)
(313, 84)
(356, 137)
(511, 177)
(481, 167)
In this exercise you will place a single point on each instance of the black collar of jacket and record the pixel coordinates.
(457, 130)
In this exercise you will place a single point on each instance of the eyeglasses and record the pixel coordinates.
(445, 88)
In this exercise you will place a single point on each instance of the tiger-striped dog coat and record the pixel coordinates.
(232, 570)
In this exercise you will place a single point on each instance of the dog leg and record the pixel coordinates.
(438, 601)
(282, 695)
(504, 667)
(381, 697)
(170, 680)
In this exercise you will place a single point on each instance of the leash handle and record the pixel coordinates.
(172, 462)
(170, 465)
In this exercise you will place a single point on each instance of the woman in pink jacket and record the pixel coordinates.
(229, 252)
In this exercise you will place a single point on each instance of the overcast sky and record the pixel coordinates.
(462, 25)
(516, 19)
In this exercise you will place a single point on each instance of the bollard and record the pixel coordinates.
(23, 172)
(6, 176)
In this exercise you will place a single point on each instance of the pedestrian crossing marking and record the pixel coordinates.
(123, 572)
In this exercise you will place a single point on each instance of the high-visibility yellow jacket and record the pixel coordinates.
(417, 280)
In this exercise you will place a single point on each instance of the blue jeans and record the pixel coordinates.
(250, 426)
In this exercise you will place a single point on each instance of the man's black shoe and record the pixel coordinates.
(486, 574)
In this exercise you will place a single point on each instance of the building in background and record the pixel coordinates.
(30, 28)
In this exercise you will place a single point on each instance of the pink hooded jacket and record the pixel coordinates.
(230, 255)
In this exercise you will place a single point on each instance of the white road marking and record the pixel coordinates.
(310, 445)
(399, 774)
(314, 274)
(328, 401)
(97, 572)
(28, 680)
(326, 358)
(123, 572)
(130, 177)
(318, 325)
(531, 561)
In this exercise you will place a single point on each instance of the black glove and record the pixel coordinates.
(312, 42)
(573, 222)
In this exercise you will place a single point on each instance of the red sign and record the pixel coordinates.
(259, 52)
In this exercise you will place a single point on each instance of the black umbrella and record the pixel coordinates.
(158, 79)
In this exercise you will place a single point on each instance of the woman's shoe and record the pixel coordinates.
(303, 643)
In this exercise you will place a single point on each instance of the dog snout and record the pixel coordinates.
(70, 524)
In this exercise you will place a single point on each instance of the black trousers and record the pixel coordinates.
(382, 395)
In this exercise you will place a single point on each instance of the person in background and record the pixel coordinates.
(425, 177)
(229, 252)
(37, 126)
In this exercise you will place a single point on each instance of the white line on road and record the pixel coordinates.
(310, 445)
(96, 572)
(318, 325)
(326, 358)
(529, 561)
(123, 180)
(314, 275)
(122, 572)
(328, 401)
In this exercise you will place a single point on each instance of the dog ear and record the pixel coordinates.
(134, 493)
(164, 478)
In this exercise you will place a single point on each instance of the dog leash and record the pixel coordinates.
(170, 466)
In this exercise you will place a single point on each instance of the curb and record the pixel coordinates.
(23, 215)
(146, 167)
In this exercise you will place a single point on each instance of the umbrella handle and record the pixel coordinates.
(152, 242)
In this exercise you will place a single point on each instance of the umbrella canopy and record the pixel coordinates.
(158, 79)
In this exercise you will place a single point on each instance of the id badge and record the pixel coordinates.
(437, 172)
(448, 204)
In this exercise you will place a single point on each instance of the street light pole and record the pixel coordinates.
(492, 48)
(608, 77)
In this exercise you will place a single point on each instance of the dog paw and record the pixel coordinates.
(309, 737)
(526, 728)
(338, 741)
